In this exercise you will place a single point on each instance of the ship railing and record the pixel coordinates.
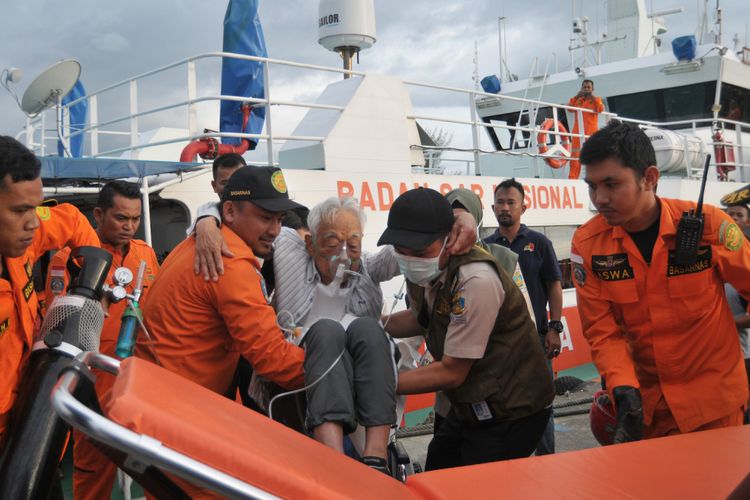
(38, 135)
(734, 143)
(130, 122)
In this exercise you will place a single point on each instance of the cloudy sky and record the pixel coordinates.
(431, 41)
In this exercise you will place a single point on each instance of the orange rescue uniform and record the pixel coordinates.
(590, 125)
(201, 328)
(60, 226)
(94, 474)
(664, 328)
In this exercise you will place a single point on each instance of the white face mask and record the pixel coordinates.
(420, 270)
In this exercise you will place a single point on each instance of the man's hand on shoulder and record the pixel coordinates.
(463, 235)
(210, 248)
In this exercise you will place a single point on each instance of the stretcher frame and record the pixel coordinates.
(142, 451)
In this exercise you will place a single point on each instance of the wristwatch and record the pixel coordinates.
(556, 325)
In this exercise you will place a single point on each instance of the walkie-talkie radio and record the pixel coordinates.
(690, 229)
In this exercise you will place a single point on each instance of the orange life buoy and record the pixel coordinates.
(541, 140)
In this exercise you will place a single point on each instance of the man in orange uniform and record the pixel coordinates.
(201, 328)
(661, 333)
(118, 216)
(28, 231)
(587, 100)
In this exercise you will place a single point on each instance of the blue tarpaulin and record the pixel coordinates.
(243, 34)
(683, 48)
(78, 118)
(55, 167)
(491, 84)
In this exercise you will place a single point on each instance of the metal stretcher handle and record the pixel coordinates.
(142, 450)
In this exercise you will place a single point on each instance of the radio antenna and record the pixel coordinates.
(699, 208)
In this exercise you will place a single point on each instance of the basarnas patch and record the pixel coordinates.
(702, 262)
(614, 267)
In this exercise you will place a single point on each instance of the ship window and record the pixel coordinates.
(735, 103)
(639, 106)
(688, 102)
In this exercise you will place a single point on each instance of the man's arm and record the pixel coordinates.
(62, 226)
(251, 322)
(402, 324)
(731, 251)
(448, 373)
(609, 349)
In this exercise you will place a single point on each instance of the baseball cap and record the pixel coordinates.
(417, 218)
(263, 186)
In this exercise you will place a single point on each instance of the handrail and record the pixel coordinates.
(528, 144)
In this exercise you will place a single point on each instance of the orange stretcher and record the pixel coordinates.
(160, 419)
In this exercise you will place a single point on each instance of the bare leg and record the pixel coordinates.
(376, 441)
(331, 434)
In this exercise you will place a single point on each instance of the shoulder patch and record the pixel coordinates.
(730, 235)
(43, 213)
(579, 274)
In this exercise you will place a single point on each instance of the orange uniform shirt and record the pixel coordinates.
(19, 308)
(200, 328)
(665, 328)
(57, 283)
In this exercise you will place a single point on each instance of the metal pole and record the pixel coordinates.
(500, 46)
(134, 124)
(474, 131)
(191, 95)
(94, 119)
(269, 128)
(146, 211)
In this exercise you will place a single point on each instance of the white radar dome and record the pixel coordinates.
(346, 23)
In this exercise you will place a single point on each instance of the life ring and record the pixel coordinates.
(563, 146)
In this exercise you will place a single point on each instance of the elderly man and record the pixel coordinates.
(305, 272)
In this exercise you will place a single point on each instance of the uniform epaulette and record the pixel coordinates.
(594, 226)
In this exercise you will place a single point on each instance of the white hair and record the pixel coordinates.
(325, 212)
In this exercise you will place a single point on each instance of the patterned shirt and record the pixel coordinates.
(297, 277)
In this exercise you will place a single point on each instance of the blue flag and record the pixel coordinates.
(243, 34)
(78, 119)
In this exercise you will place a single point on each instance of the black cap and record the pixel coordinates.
(417, 218)
(263, 186)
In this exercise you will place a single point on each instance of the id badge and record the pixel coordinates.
(481, 411)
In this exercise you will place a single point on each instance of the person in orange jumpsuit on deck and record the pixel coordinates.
(28, 231)
(661, 333)
(118, 216)
(587, 100)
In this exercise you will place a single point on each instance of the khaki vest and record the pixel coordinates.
(512, 377)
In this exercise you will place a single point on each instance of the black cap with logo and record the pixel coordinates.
(263, 186)
(417, 218)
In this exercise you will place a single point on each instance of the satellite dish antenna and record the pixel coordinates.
(50, 87)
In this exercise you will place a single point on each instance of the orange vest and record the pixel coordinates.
(663, 327)
(19, 308)
(201, 328)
